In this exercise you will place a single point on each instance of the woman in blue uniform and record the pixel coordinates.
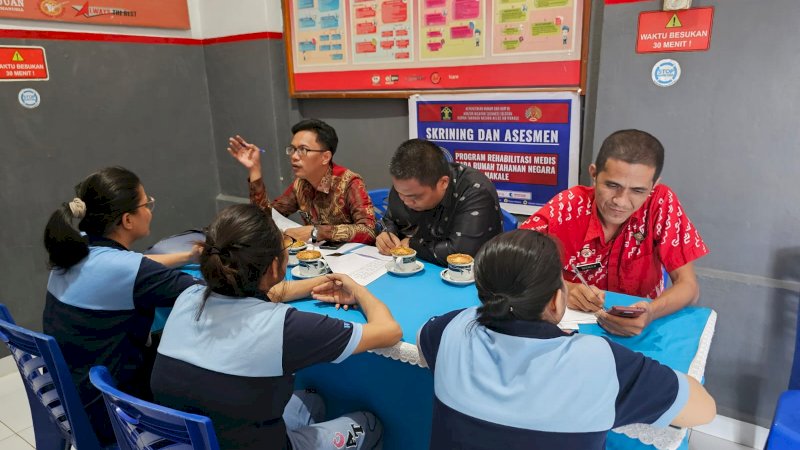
(101, 297)
(230, 353)
(505, 375)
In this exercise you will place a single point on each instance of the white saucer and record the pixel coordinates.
(390, 268)
(298, 274)
(445, 274)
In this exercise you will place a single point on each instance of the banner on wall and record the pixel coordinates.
(402, 45)
(526, 143)
(137, 13)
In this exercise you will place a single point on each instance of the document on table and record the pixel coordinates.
(573, 318)
(282, 221)
(359, 249)
(363, 270)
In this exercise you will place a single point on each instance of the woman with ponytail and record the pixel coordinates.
(505, 376)
(230, 352)
(101, 297)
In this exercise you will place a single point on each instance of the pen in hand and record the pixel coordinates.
(585, 284)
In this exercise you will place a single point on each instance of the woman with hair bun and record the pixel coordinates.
(101, 297)
(505, 376)
(229, 352)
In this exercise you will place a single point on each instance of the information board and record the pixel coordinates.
(526, 143)
(413, 45)
(136, 13)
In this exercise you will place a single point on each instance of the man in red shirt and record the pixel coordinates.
(332, 200)
(619, 234)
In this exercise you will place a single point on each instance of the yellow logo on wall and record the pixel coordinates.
(52, 8)
(533, 113)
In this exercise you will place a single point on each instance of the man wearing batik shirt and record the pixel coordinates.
(332, 200)
(435, 207)
(619, 233)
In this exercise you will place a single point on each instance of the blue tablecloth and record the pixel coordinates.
(401, 394)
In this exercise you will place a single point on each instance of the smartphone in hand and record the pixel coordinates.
(626, 311)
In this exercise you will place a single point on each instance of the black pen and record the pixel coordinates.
(583, 281)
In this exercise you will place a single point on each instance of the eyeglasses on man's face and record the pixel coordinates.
(301, 150)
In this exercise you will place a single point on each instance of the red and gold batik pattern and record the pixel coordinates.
(339, 206)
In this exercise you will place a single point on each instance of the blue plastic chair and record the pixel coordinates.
(785, 430)
(380, 203)
(59, 420)
(141, 425)
(509, 220)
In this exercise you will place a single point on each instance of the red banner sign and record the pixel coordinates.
(675, 31)
(510, 113)
(137, 13)
(22, 64)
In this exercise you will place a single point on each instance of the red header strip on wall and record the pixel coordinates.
(103, 37)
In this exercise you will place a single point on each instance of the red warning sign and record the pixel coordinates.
(674, 31)
(22, 64)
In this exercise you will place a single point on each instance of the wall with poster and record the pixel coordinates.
(408, 45)
(141, 13)
(526, 143)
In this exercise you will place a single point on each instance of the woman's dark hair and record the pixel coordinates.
(107, 194)
(240, 245)
(516, 274)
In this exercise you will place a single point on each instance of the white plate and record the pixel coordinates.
(390, 268)
(297, 272)
(445, 274)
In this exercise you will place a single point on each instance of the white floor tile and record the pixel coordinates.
(28, 435)
(10, 383)
(7, 366)
(15, 413)
(5, 432)
(702, 441)
(15, 443)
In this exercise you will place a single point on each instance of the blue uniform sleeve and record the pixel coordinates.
(158, 286)
(310, 338)
(649, 392)
(430, 335)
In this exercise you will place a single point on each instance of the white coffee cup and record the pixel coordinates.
(459, 267)
(311, 263)
(405, 259)
(294, 249)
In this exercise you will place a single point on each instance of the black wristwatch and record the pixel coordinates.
(314, 235)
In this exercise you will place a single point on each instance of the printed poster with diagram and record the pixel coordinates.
(383, 31)
(412, 45)
(320, 32)
(530, 26)
(526, 143)
(451, 29)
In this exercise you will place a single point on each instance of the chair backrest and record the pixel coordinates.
(794, 379)
(509, 220)
(48, 381)
(380, 202)
(141, 425)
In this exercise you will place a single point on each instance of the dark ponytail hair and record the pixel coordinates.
(107, 195)
(516, 274)
(240, 246)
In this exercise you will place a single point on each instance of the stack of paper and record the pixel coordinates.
(363, 270)
(573, 318)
